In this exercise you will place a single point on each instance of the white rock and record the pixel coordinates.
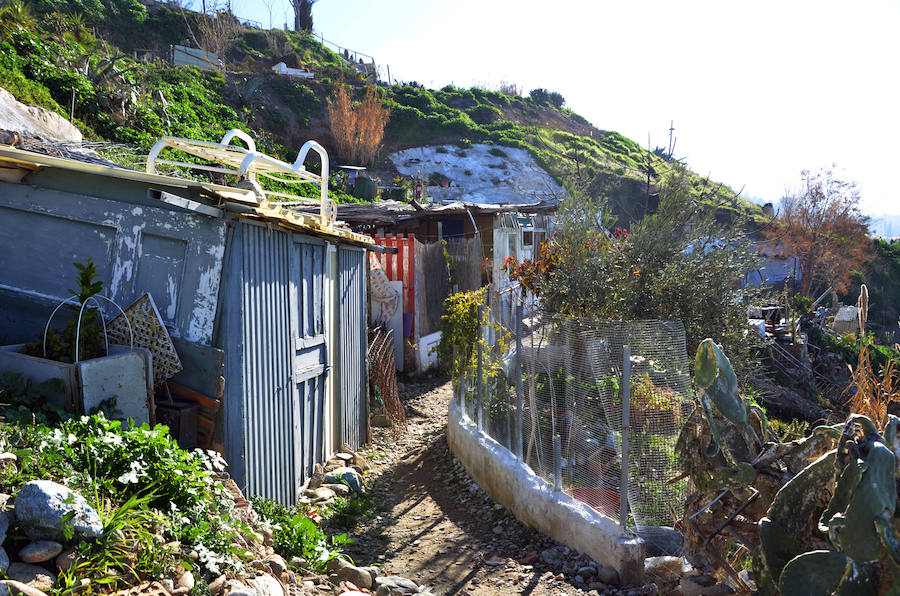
(9, 587)
(186, 580)
(34, 120)
(41, 506)
(266, 585)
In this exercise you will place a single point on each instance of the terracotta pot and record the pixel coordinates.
(602, 499)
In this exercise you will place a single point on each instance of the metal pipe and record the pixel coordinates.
(557, 463)
(479, 411)
(626, 430)
(520, 405)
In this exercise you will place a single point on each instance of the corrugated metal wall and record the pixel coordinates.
(270, 416)
(352, 339)
(282, 328)
(310, 350)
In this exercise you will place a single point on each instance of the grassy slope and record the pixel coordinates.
(39, 67)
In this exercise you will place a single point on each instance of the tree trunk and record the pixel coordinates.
(303, 14)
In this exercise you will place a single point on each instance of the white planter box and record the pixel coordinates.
(124, 373)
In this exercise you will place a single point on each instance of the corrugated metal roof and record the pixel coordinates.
(240, 202)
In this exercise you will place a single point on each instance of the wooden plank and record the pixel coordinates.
(206, 402)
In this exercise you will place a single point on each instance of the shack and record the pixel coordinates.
(272, 300)
(477, 237)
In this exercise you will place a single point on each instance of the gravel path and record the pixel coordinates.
(434, 525)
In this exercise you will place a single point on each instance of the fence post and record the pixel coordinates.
(557, 463)
(479, 412)
(626, 430)
(517, 372)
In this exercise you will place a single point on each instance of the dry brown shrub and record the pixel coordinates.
(357, 129)
(873, 394)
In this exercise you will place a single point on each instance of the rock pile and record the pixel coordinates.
(55, 519)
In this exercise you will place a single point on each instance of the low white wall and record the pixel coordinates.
(534, 502)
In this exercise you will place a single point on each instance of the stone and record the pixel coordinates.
(234, 585)
(186, 581)
(607, 575)
(397, 584)
(345, 475)
(40, 551)
(34, 576)
(276, 564)
(4, 560)
(336, 564)
(361, 462)
(383, 591)
(341, 490)
(355, 575)
(344, 456)
(380, 420)
(41, 506)
(298, 563)
(243, 592)
(665, 569)
(36, 121)
(10, 587)
(266, 585)
(65, 560)
(5, 518)
(180, 591)
(168, 583)
(694, 586)
(319, 494)
(217, 586)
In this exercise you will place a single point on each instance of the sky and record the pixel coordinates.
(757, 91)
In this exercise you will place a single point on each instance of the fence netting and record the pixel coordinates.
(572, 384)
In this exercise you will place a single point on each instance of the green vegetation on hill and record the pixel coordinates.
(562, 142)
(49, 54)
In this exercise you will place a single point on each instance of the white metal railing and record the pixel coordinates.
(247, 164)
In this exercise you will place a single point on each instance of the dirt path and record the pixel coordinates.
(434, 525)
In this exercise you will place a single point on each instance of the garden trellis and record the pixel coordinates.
(576, 398)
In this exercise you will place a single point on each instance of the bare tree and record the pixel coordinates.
(823, 226)
(270, 5)
(303, 14)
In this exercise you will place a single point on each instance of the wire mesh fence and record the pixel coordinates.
(558, 392)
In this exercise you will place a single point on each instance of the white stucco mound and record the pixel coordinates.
(35, 121)
(477, 176)
(534, 502)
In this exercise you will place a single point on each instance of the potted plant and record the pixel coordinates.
(93, 372)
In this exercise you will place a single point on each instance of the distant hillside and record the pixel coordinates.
(51, 56)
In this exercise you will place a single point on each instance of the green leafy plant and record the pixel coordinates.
(127, 551)
(115, 462)
(296, 535)
(84, 327)
(22, 401)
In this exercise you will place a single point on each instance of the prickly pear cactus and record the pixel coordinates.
(832, 528)
(817, 514)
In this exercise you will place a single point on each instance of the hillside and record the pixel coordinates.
(52, 58)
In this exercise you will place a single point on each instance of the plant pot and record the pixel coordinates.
(124, 373)
(602, 499)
